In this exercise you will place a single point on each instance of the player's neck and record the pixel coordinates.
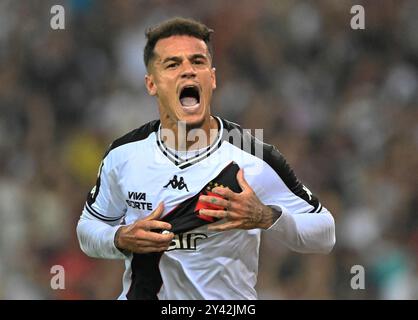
(181, 137)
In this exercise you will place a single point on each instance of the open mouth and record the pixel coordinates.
(189, 96)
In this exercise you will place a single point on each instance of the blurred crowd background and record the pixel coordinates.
(340, 104)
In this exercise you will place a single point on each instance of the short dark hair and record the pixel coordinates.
(175, 26)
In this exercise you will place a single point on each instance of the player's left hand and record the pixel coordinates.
(241, 210)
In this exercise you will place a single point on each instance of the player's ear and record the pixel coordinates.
(150, 84)
(213, 76)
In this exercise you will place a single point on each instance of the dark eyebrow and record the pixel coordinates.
(198, 56)
(175, 59)
(178, 59)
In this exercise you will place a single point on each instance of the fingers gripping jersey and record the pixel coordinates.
(138, 172)
(185, 217)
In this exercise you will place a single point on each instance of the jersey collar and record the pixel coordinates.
(184, 163)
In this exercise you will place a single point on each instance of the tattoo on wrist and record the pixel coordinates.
(274, 214)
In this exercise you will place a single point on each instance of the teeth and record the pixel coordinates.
(188, 101)
(191, 98)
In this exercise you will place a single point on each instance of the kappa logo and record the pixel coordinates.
(177, 184)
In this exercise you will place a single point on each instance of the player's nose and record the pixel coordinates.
(188, 71)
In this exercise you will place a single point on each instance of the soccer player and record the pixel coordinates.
(187, 216)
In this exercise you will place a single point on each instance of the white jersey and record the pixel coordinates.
(138, 172)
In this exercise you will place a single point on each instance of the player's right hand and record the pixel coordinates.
(139, 236)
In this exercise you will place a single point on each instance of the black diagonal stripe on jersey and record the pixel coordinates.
(276, 161)
(146, 278)
(100, 216)
(183, 218)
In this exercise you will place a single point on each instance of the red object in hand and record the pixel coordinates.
(211, 206)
